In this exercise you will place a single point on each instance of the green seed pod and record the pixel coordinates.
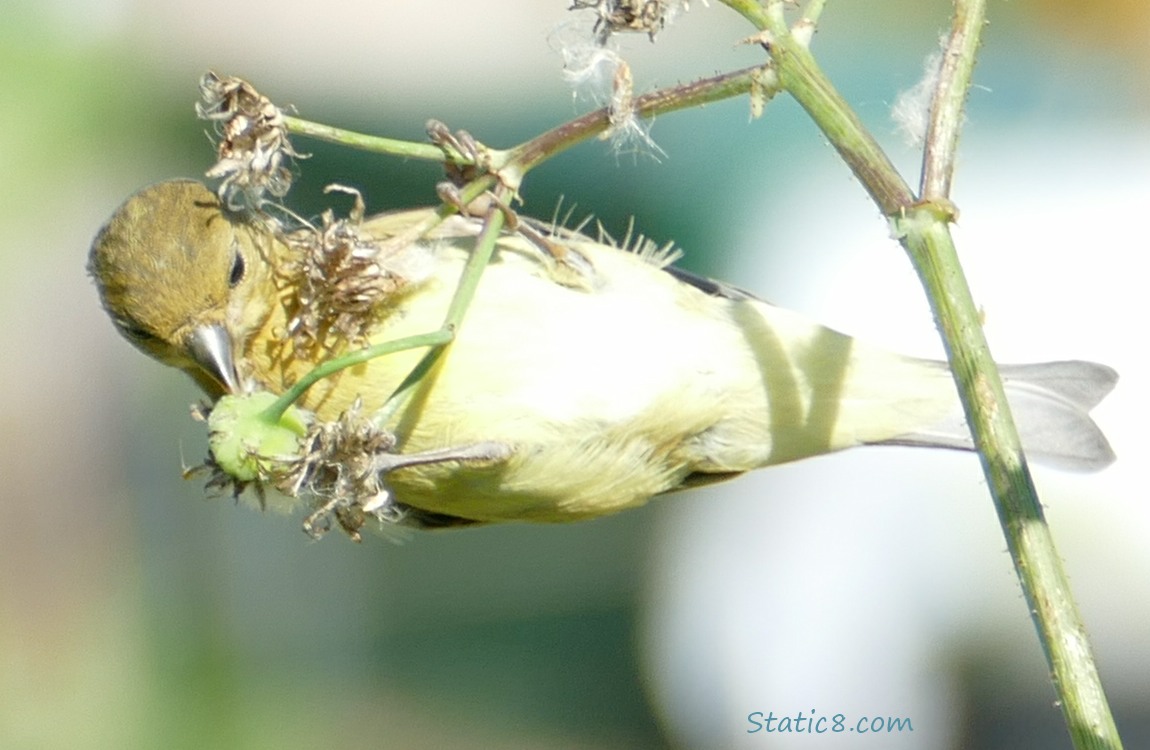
(244, 441)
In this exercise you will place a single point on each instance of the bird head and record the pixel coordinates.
(185, 280)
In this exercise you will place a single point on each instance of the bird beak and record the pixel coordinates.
(211, 348)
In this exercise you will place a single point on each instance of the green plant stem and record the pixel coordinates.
(813, 11)
(373, 143)
(468, 283)
(1036, 559)
(923, 229)
(955, 74)
(801, 76)
(330, 367)
(752, 10)
(927, 238)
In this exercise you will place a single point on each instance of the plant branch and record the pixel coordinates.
(373, 143)
(716, 88)
(1036, 559)
(922, 226)
(527, 155)
(946, 110)
(468, 284)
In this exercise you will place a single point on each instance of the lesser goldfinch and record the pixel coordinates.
(609, 376)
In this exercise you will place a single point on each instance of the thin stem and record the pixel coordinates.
(752, 10)
(468, 283)
(531, 153)
(927, 238)
(434, 339)
(524, 157)
(946, 110)
(1036, 559)
(814, 11)
(372, 143)
(332, 366)
(801, 76)
(804, 28)
(923, 229)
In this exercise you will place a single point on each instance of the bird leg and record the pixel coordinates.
(351, 511)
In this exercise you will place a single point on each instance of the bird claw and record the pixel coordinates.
(465, 160)
(458, 146)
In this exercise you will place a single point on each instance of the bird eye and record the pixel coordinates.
(237, 273)
(137, 334)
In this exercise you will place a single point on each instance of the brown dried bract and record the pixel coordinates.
(338, 282)
(648, 16)
(254, 152)
(340, 466)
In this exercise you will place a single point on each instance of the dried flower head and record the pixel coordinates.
(336, 465)
(340, 277)
(253, 152)
(614, 16)
(343, 467)
(340, 468)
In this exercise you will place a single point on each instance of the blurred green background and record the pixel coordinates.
(135, 613)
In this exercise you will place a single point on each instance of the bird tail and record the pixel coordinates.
(1051, 403)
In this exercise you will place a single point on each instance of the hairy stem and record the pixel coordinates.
(922, 224)
(1036, 559)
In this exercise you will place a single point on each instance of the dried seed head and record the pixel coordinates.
(339, 467)
(615, 16)
(339, 280)
(254, 153)
(344, 467)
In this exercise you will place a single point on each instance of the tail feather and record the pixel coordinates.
(1051, 403)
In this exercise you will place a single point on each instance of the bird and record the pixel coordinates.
(605, 374)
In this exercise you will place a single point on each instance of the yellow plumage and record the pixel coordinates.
(609, 383)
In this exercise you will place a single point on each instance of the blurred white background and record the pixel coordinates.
(136, 613)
